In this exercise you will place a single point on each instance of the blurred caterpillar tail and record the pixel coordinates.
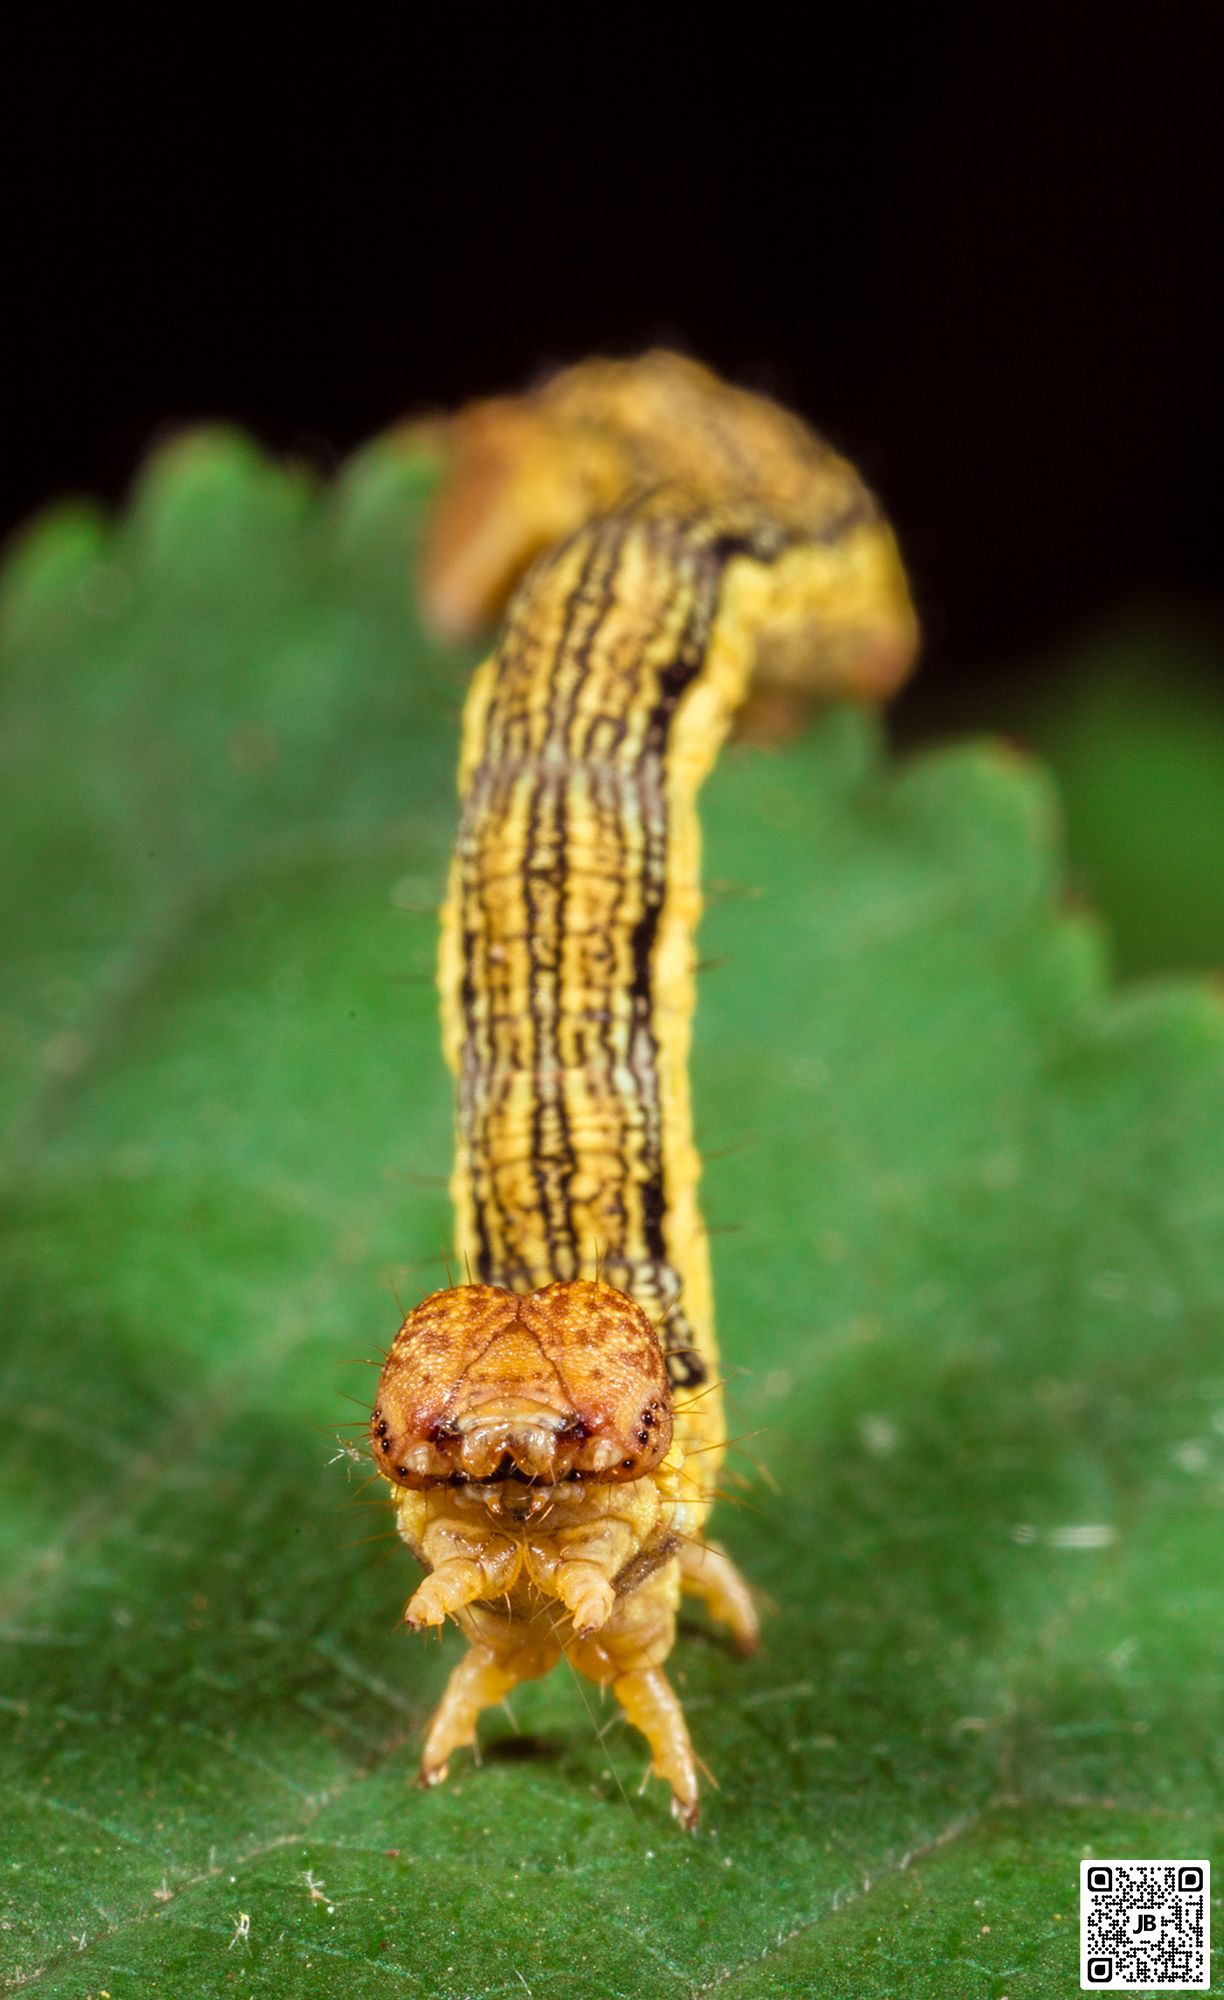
(525, 472)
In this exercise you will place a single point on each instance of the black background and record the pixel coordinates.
(980, 250)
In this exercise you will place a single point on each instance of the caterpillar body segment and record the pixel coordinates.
(553, 1429)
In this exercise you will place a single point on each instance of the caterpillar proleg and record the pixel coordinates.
(670, 547)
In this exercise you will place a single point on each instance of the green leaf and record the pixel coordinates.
(971, 1311)
(1135, 735)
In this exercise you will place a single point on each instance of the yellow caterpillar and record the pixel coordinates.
(552, 1430)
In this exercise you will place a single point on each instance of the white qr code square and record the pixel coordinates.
(1145, 1924)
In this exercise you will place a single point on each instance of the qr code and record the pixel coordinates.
(1145, 1924)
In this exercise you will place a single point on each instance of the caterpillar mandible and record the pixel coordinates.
(552, 1428)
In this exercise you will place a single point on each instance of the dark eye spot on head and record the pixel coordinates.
(643, 1437)
(402, 1470)
(627, 1463)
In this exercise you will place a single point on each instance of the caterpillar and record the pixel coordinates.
(669, 547)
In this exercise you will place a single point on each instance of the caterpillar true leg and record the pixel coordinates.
(487, 1673)
(707, 1572)
(674, 541)
(652, 1706)
(628, 1654)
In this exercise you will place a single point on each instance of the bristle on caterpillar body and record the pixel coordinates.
(683, 543)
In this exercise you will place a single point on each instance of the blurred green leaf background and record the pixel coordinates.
(1128, 714)
(969, 1276)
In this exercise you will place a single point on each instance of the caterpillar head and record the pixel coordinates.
(482, 1384)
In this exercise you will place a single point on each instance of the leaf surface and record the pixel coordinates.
(1134, 730)
(969, 1284)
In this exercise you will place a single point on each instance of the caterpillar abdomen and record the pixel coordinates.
(693, 538)
(568, 934)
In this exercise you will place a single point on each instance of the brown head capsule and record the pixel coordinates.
(483, 1384)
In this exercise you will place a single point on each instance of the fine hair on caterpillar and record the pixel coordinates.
(664, 550)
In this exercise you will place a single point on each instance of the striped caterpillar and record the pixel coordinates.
(551, 1429)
